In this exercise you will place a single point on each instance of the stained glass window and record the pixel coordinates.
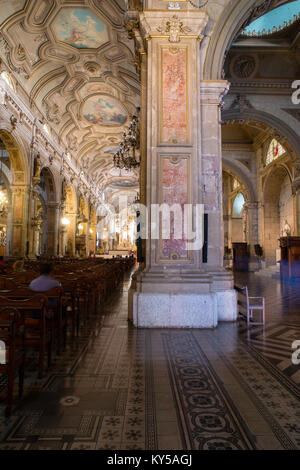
(238, 205)
(274, 151)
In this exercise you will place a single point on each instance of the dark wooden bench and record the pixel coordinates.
(12, 359)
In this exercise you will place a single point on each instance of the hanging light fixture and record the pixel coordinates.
(125, 157)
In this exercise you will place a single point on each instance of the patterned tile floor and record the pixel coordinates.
(120, 388)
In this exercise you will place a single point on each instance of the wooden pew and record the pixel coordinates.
(38, 330)
(12, 334)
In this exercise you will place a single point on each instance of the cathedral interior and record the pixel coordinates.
(109, 111)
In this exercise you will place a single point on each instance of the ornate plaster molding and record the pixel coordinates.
(187, 24)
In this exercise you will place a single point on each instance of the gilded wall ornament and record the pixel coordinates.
(174, 28)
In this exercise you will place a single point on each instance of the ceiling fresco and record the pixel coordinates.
(104, 111)
(80, 28)
(74, 62)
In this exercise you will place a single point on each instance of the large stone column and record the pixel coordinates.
(180, 286)
(53, 222)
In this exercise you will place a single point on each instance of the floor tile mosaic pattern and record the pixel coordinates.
(116, 387)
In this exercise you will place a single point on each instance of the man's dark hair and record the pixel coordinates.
(45, 268)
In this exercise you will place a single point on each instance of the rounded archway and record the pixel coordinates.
(13, 196)
(278, 210)
(44, 210)
(235, 215)
(227, 26)
(268, 124)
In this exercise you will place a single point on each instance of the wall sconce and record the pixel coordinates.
(91, 230)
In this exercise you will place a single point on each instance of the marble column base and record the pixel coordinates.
(227, 305)
(169, 310)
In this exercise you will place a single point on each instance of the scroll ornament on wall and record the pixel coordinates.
(174, 28)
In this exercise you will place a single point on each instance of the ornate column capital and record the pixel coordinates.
(187, 24)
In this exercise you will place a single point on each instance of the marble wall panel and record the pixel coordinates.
(174, 96)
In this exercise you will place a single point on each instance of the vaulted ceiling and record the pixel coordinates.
(76, 64)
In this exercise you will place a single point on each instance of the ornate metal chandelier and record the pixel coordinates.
(126, 156)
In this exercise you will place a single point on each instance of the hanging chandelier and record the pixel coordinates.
(125, 157)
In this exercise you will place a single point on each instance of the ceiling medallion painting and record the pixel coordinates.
(80, 28)
(104, 111)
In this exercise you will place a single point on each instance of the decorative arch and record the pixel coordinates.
(234, 17)
(268, 123)
(17, 184)
(271, 197)
(17, 155)
(48, 179)
(240, 172)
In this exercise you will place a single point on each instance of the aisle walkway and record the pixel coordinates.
(120, 388)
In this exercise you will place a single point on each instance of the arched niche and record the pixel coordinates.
(15, 172)
(235, 226)
(278, 209)
(19, 164)
(45, 215)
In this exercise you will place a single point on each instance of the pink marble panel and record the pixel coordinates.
(174, 191)
(174, 96)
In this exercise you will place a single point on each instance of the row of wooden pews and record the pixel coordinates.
(41, 320)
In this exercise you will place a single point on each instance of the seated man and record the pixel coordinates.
(44, 282)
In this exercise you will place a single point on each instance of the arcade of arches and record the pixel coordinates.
(216, 94)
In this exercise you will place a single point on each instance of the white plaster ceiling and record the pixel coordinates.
(81, 73)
